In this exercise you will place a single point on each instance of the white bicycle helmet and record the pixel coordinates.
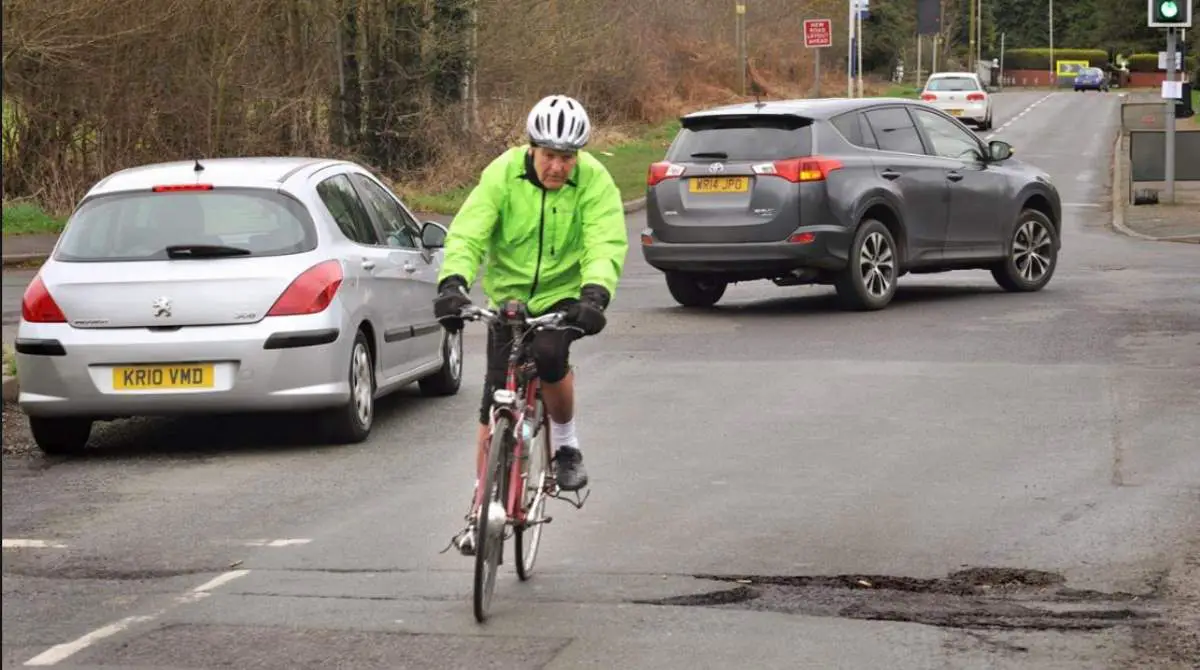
(560, 123)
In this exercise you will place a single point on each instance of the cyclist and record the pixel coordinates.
(550, 222)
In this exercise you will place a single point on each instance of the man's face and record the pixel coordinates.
(553, 167)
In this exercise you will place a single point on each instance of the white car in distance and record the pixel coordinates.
(961, 95)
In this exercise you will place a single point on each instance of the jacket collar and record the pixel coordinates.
(530, 174)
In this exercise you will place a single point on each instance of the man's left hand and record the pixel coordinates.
(588, 313)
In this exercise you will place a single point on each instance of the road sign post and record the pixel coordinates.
(1173, 15)
(818, 34)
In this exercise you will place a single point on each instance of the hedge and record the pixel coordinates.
(1149, 63)
(1039, 59)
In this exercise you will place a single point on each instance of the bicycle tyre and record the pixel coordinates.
(533, 501)
(488, 550)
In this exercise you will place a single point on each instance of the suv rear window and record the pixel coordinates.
(139, 226)
(952, 84)
(742, 138)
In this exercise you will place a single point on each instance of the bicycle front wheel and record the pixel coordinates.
(490, 539)
(528, 538)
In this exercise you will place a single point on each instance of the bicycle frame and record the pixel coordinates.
(521, 384)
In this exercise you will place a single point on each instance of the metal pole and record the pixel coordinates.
(858, 44)
(850, 49)
(971, 37)
(933, 66)
(1053, 67)
(1171, 44)
(917, 70)
(1002, 61)
(979, 36)
(741, 42)
(817, 75)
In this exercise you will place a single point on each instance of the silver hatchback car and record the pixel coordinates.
(233, 285)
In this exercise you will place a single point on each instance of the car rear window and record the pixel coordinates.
(742, 138)
(952, 84)
(139, 226)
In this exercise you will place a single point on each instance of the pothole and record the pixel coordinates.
(983, 598)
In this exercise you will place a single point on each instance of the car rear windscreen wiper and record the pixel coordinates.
(204, 251)
(710, 154)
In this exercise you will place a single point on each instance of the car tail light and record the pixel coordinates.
(38, 306)
(802, 238)
(976, 97)
(928, 97)
(311, 292)
(168, 188)
(798, 170)
(662, 171)
(647, 240)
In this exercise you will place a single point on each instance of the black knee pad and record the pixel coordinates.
(551, 349)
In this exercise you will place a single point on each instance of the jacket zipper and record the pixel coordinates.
(537, 273)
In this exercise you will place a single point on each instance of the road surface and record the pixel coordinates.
(966, 479)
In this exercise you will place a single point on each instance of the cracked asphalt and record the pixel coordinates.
(968, 479)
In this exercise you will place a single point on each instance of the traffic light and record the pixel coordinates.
(1170, 13)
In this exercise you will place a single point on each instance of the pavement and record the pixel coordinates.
(967, 479)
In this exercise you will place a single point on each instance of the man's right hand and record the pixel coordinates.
(451, 299)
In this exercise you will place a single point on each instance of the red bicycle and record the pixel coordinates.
(517, 478)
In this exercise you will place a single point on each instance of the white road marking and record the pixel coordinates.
(33, 544)
(276, 543)
(220, 580)
(61, 652)
(1018, 116)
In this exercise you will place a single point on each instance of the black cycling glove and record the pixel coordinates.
(588, 313)
(452, 298)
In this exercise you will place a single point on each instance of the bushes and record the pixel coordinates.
(1149, 63)
(1039, 59)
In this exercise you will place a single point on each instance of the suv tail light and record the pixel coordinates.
(928, 97)
(311, 292)
(38, 306)
(976, 97)
(798, 170)
(662, 171)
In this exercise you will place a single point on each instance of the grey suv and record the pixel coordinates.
(849, 192)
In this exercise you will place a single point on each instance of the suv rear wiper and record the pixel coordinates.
(710, 154)
(204, 251)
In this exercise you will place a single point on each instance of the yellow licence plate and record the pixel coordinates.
(163, 377)
(956, 112)
(719, 184)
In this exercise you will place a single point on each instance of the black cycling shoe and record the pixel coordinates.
(568, 469)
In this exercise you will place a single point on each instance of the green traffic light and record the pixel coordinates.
(1168, 9)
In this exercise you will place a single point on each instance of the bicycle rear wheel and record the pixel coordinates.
(527, 539)
(490, 540)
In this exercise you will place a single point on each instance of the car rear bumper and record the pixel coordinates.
(827, 251)
(279, 363)
(970, 111)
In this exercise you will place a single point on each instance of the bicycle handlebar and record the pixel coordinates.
(551, 321)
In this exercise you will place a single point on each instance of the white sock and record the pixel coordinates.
(563, 434)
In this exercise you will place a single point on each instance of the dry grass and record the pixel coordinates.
(100, 85)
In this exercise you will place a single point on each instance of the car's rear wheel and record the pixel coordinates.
(352, 422)
(1032, 254)
(693, 290)
(869, 280)
(60, 436)
(447, 380)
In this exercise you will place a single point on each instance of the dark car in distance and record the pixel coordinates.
(853, 193)
(1091, 79)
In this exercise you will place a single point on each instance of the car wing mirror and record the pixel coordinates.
(433, 235)
(999, 150)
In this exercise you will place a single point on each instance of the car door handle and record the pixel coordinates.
(954, 176)
(410, 268)
(368, 264)
(890, 175)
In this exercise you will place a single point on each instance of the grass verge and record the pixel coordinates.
(627, 161)
(902, 91)
(10, 362)
(27, 219)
